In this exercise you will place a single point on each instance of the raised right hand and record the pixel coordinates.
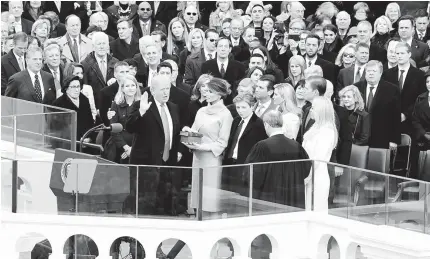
(144, 104)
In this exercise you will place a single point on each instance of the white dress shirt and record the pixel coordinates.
(409, 41)
(225, 62)
(404, 73)
(156, 5)
(355, 72)
(368, 92)
(313, 60)
(151, 74)
(42, 89)
(169, 119)
(234, 42)
(245, 123)
(146, 26)
(18, 26)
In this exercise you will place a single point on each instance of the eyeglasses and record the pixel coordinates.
(193, 14)
(348, 55)
(212, 40)
(146, 9)
(75, 87)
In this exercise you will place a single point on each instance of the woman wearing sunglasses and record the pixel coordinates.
(346, 56)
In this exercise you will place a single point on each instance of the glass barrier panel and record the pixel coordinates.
(6, 185)
(343, 182)
(40, 188)
(406, 203)
(7, 128)
(163, 192)
(103, 188)
(427, 208)
(46, 131)
(281, 187)
(12, 106)
(225, 191)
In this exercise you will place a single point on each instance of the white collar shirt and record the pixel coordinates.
(409, 41)
(18, 60)
(151, 74)
(234, 42)
(368, 91)
(33, 80)
(169, 119)
(277, 132)
(18, 26)
(313, 60)
(245, 123)
(156, 5)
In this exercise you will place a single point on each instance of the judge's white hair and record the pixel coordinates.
(99, 36)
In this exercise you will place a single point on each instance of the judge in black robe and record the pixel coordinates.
(278, 182)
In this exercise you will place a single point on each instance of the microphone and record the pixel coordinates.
(114, 128)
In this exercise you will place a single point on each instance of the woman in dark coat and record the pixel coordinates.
(120, 143)
(73, 99)
(359, 119)
(421, 118)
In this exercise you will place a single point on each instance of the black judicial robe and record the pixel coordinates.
(280, 182)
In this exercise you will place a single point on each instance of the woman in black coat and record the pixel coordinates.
(359, 119)
(73, 99)
(421, 118)
(119, 144)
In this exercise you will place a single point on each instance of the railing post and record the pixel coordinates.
(251, 184)
(137, 191)
(426, 205)
(387, 191)
(14, 137)
(14, 185)
(200, 196)
(73, 131)
(313, 185)
(349, 190)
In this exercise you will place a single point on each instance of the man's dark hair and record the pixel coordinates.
(20, 36)
(361, 45)
(407, 18)
(210, 31)
(262, 7)
(131, 62)
(421, 13)
(313, 36)
(120, 64)
(163, 36)
(318, 83)
(224, 38)
(268, 78)
(124, 20)
(164, 64)
(256, 55)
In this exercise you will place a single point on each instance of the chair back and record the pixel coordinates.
(379, 160)
(359, 157)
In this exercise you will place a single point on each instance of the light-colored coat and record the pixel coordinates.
(86, 47)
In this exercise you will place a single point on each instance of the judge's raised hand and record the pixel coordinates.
(144, 104)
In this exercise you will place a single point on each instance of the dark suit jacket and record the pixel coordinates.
(46, 68)
(384, 114)
(21, 87)
(413, 86)
(421, 118)
(198, 25)
(94, 77)
(253, 133)
(106, 97)
(346, 77)
(9, 67)
(121, 50)
(329, 69)
(67, 8)
(420, 52)
(166, 11)
(193, 67)
(343, 149)
(113, 15)
(235, 71)
(241, 52)
(155, 26)
(148, 141)
(59, 31)
(377, 53)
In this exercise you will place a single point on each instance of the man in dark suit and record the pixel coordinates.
(52, 54)
(145, 23)
(156, 126)
(313, 42)
(263, 94)
(382, 101)
(238, 43)
(281, 183)
(160, 38)
(162, 11)
(175, 82)
(191, 17)
(350, 75)
(230, 70)
(409, 80)
(364, 33)
(20, 24)
(127, 44)
(421, 24)
(14, 61)
(115, 12)
(420, 50)
(343, 21)
(32, 84)
(193, 65)
(63, 9)
(99, 65)
(246, 130)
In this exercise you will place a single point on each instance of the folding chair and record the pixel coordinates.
(402, 157)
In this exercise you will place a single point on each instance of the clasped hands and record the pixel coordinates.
(193, 145)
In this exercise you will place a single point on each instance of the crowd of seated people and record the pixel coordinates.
(337, 74)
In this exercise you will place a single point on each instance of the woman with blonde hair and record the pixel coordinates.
(393, 13)
(346, 56)
(319, 142)
(285, 97)
(177, 36)
(382, 31)
(41, 29)
(224, 10)
(359, 119)
(194, 44)
(296, 70)
(128, 93)
(198, 97)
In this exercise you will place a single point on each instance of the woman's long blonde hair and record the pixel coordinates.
(190, 36)
(289, 105)
(120, 96)
(170, 36)
(323, 111)
(358, 99)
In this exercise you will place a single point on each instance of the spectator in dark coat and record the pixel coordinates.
(58, 29)
(9, 62)
(115, 12)
(127, 44)
(146, 23)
